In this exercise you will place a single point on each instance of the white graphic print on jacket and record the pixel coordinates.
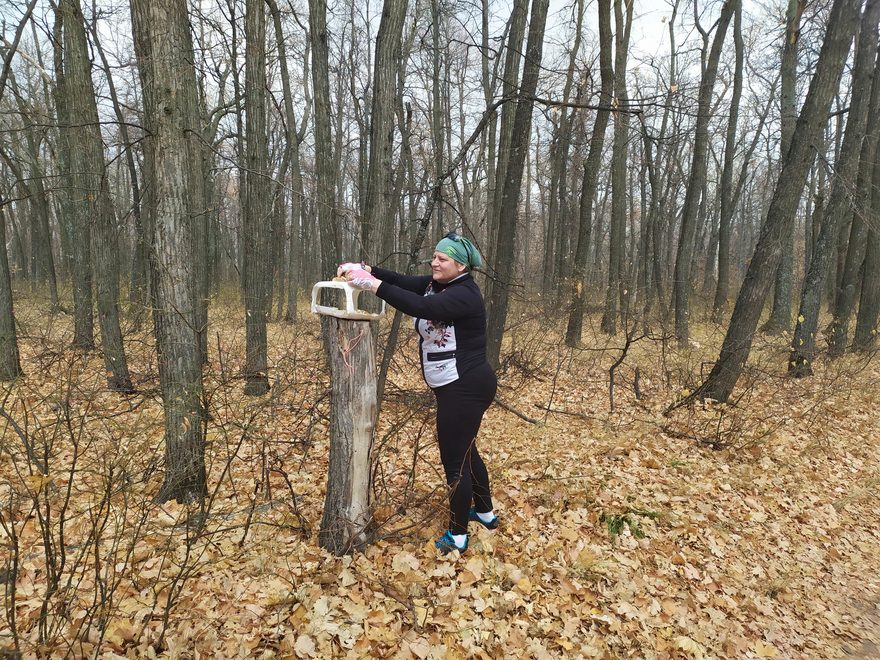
(438, 351)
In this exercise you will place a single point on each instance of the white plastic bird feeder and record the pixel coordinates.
(351, 311)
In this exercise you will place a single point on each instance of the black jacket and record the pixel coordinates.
(450, 319)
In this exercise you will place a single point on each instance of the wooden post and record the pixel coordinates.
(346, 523)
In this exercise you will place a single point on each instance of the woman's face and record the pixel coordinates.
(444, 268)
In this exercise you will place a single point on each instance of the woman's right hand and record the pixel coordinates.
(347, 266)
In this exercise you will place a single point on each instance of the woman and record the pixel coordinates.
(450, 317)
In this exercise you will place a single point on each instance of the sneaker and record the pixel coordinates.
(446, 544)
(492, 524)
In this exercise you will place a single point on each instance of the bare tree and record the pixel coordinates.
(617, 229)
(510, 197)
(257, 211)
(697, 178)
(590, 177)
(780, 314)
(842, 23)
(10, 366)
(167, 60)
(846, 167)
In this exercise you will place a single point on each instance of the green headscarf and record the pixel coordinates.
(460, 249)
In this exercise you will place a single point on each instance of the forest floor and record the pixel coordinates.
(737, 531)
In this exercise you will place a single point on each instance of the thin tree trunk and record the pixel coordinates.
(162, 27)
(81, 191)
(735, 349)
(804, 342)
(509, 207)
(257, 211)
(845, 300)
(728, 203)
(617, 224)
(10, 366)
(682, 280)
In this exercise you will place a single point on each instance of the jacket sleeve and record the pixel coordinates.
(415, 283)
(449, 305)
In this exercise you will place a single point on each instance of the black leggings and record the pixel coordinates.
(460, 408)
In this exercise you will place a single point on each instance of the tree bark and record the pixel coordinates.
(81, 192)
(844, 302)
(87, 162)
(382, 115)
(728, 202)
(170, 70)
(737, 343)
(780, 313)
(803, 345)
(617, 224)
(591, 175)
(509, 207)
(324, 169)
(345, 524)
(257, 210)
(10, 365)
(696, 180)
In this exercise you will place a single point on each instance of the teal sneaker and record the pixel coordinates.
(492, 524)
(446, 544)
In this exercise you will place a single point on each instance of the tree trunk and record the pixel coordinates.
(513, 55)
(844, 302)
(509, 207)
(737, 343)
(92, 197)
(590, 177)
(345, 524)
(869, 303)
(257, 210)
(382, 113)
(82, 194)
(728, 202)
(10, 366)
(163, 25)
(682, 282)
(804, 341)
(324, 170)
(780, 313)
(617, 224)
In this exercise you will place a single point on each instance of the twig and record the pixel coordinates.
(521, 415)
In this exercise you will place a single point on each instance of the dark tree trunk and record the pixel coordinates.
(162, 27)
(10, 366)
(844, 302)
(804, 341)
(780, 313)
(509, 207)
(696, 180)
(257, 210)
(324, 169)
(82, 193)
(94, 207)
(384, 102)
(619, 151)
(590, 177)
(737, 343)
(728, 201)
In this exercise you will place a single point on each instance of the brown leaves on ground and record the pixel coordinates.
(748, 529)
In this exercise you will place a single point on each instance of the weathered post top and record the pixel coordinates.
(351, 311)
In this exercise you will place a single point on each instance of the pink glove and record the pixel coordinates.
(361, 279)
(347, 266)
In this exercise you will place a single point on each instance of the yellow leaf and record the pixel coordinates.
(765, 650)
(686, 644)
(801, 318)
